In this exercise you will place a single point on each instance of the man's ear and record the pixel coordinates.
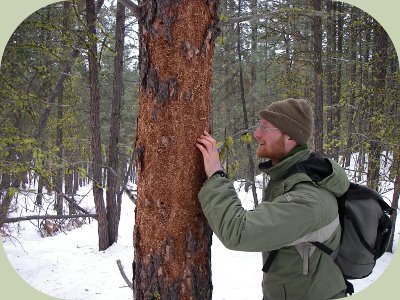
(290, 143)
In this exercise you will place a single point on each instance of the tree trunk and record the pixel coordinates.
(253, 65)
(396, 195)
(95, 126)
(319, 99)
(330, 35)
(250, 174)
(6, 197)
(338, 83)
(39, 196)
(59, 140)
(69, 188)
(353, 79)
(172, 239)
(113, 184)
(379, 63)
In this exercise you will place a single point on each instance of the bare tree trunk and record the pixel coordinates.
(353, 80)
(319, 99)
(59, 141)
(329, 73)
(172, 239)
(253, 65)
(9, 183)
(338, 82)
(396, 195)
(6, 198)
(95, 127)
(379, 63)
(250, 174)
(39, 196)
(362, 107)
(113, 184)
(69, 188)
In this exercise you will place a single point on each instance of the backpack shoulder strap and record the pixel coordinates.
(270, 259)
(315, 167)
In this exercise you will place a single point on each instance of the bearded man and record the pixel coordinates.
(293, 208)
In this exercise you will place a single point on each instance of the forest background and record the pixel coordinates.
(270, 63)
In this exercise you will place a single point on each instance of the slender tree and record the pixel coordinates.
(319, 101)
(379, 66)
(250, 173)
(330, 36)
(338, 82)
(95, 126)
(113, 182)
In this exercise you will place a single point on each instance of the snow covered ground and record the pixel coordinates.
(69, 266)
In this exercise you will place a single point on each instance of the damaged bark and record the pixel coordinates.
(172, 239)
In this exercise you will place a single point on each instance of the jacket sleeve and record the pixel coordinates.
(272, 225)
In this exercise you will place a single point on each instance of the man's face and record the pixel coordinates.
(271, 141)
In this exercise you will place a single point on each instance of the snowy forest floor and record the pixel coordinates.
(68, 265)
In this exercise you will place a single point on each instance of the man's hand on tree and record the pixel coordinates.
(208, 147)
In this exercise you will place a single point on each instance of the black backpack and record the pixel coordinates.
(366, 226)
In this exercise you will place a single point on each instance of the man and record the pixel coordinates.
(293, 209)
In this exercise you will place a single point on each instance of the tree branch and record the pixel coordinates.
(27, 218)
(237, 135)
(269, 15)
(121, 270)
(130, 195)
(69, 200)
(134, 8)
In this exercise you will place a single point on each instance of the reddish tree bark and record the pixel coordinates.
(172, 239)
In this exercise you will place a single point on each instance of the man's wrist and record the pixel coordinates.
(219, 173)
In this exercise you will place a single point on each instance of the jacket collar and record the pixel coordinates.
(279, 171)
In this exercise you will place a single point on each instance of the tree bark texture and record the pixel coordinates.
(95, 126)
(172, 239)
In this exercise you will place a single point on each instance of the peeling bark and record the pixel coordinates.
(172, 239)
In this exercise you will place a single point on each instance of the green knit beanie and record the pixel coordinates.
(292, 116)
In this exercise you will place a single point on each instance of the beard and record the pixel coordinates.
(273, 150)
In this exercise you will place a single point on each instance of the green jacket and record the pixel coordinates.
(293, 210)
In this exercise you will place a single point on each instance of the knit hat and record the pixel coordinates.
(292, 116)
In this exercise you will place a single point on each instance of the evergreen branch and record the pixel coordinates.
(66, 70)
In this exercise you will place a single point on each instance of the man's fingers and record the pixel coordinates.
(202, 150)
(206, 143)
(209, 139)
